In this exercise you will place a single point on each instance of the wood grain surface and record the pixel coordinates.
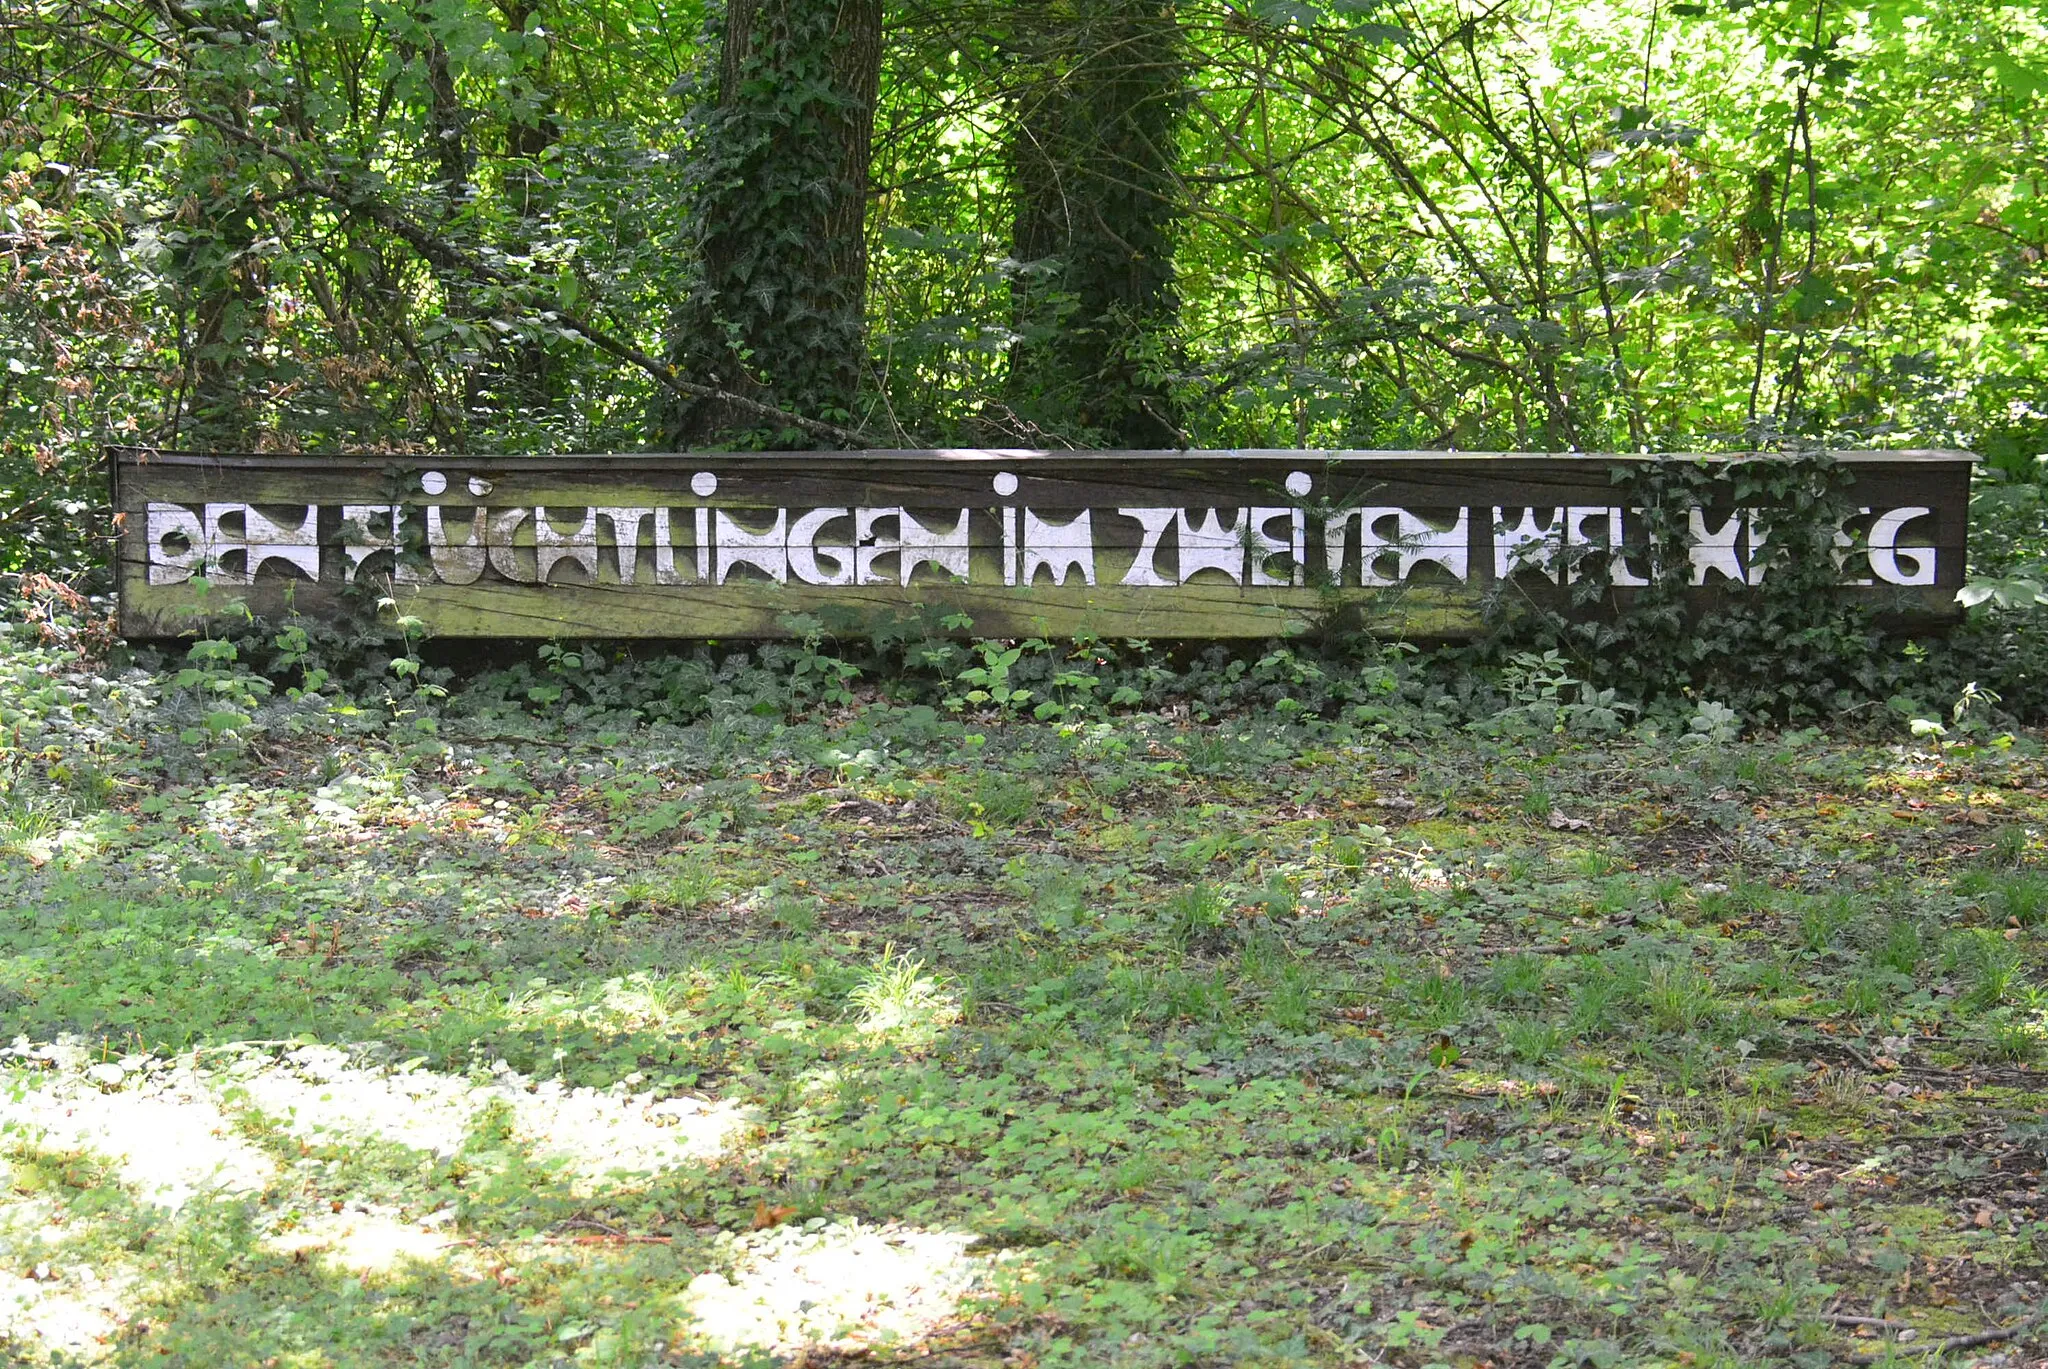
(1179, 545)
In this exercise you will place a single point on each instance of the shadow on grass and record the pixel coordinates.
(1203, 1120)
(581, 1137)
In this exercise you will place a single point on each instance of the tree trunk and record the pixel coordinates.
(447, 134)
(779, 219)
(216, 265)
(526, 379)
(447, 124)
(1095, 171)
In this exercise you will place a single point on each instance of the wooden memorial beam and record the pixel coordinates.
(1174, 545)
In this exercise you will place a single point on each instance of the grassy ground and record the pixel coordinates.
(489, 1040)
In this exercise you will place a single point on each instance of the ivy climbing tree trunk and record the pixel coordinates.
(779, 219)
(448, 149)
(217, 264)
(213, 266)
(1095, 171)
(525, 379)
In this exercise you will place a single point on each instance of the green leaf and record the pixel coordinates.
(2019, 78)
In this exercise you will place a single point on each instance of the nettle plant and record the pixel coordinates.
(1543, 695)
(1078, 678)
(232, 694)
(227, 692)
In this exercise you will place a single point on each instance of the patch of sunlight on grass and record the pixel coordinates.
(68, 1311)
(344, 804)
(641, 1000)
(41, 833)
(841, 1287)
(632, 1003)
(159, 1125)
(317, 1094)
(372, 1240)
(50, 1300)
(1420, 867)
(604, 1131)
(900, 1003)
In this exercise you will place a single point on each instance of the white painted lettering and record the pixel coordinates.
(1409, 539)
(870, 546)
(626, 538)
(665, 572)
(766, 551)
(366, 536)
(1885, 550)
(1209, 545)
(1264, 546)
(1582, 544)
(1713, 549)
(456, 564)
(1527, 545)
(165, 524)
(298, 547)
(551, 546)
(804, 551)
(1060, 548)
(1145, 570)
(941, 547)
(501, 531)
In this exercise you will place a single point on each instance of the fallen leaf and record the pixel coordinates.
(1560, 823)
(766, 1216)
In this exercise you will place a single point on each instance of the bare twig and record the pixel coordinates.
(1938, 1347)
(448, 256)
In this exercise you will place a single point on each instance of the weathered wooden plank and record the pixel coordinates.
(1152, 544)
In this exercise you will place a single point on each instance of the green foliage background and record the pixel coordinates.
(328, 224)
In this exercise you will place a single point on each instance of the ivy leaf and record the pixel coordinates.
(2013, 592)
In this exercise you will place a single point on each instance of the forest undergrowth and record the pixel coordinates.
(354, 1030)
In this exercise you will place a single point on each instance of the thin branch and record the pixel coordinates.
(438, 251)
